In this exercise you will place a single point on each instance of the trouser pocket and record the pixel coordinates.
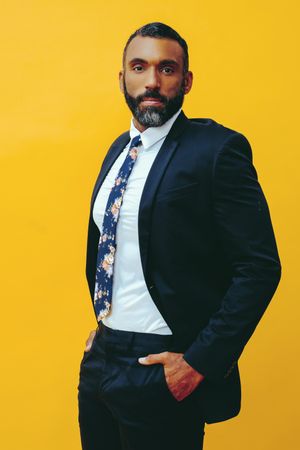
(127, 383)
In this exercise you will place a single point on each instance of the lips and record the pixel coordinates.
(151, 101)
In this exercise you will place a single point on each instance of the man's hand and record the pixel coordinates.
(181, 378)
(89, 341)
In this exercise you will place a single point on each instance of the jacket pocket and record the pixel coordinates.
(178, 191)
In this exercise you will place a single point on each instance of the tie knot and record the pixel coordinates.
(136, 141)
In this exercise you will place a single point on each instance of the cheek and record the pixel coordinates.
(170, 87)
(134, 85)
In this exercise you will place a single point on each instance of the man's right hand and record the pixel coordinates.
(89, 341)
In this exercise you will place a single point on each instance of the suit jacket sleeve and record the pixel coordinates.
(244, 229)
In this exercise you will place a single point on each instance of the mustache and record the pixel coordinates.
(152, 94)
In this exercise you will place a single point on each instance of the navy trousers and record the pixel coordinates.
(124, 405)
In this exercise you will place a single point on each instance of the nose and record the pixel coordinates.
(153, 79)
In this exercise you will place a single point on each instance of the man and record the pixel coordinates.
(181, 263)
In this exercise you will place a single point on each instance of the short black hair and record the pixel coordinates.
(160, 30)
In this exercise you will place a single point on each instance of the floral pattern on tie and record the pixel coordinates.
(107, 241)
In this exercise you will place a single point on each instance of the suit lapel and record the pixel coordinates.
(156, 172)
(110, 158)
(154, 177)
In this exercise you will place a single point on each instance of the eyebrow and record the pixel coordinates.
(163, 62)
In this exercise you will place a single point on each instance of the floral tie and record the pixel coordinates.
(107, 241)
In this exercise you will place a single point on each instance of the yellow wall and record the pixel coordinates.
(61, 109)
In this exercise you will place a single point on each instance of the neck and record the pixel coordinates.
(138, 126)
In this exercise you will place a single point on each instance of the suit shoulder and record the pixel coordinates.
(122, 137)
(121, 140)
(217, 133)
(209, 123)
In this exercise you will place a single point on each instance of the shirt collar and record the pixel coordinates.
(153, 134)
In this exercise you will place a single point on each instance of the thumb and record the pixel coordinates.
(90, 339)
(152, 359)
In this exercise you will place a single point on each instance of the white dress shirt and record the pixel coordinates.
(132, 308)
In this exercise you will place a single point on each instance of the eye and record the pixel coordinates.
(167, 70)
(137, 68)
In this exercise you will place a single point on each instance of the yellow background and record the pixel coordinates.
(60, 110)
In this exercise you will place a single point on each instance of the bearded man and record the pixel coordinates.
(181, 263)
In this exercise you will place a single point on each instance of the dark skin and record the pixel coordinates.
(157, 64)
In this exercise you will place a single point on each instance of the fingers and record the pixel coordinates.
(90, 340)
(154, 358)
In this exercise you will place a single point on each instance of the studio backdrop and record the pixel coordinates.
(60, 110)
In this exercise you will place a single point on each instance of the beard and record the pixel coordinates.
(153, 116)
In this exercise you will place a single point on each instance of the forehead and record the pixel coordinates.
(154, 50)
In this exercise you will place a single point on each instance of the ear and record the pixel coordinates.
(121, 80)
(188, 82)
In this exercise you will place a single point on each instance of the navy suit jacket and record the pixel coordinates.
(208, 250)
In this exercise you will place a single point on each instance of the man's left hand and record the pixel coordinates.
(181, 378)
